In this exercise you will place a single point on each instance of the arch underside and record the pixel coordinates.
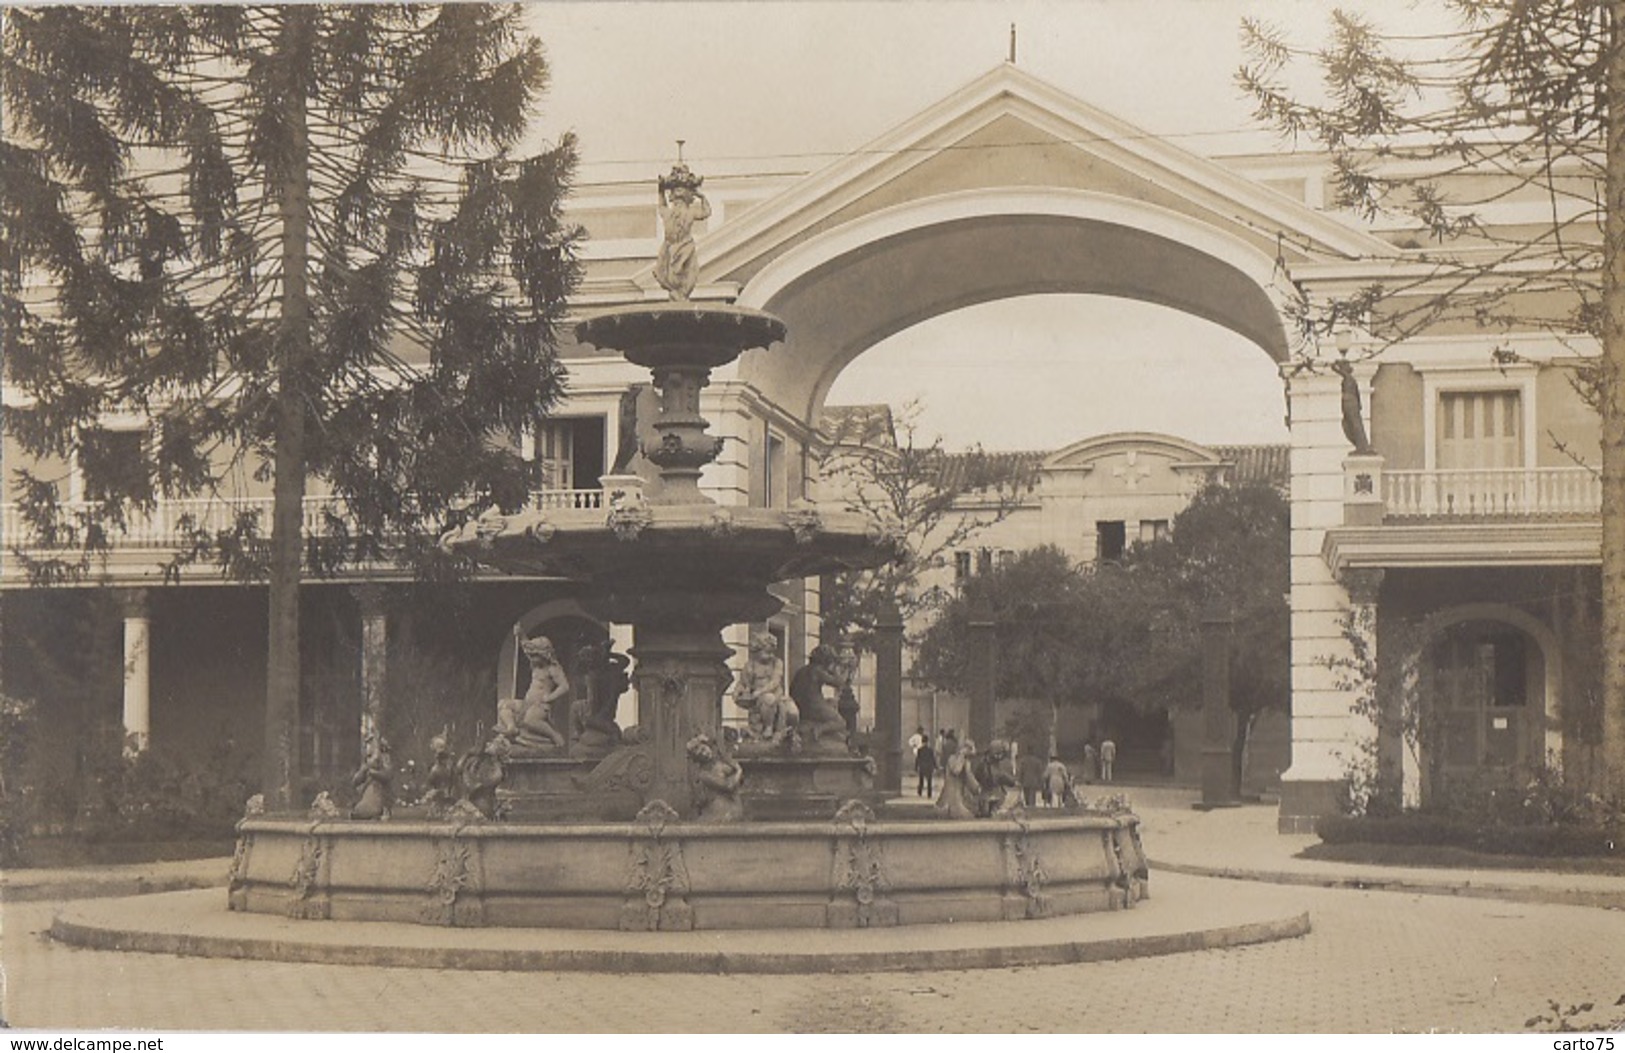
(842, 307)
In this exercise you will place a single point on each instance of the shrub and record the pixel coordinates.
(17, 791)
(163, 793)
(1427, 828)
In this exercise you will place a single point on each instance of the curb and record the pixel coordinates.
(1565, 897)
(900, 959)
(106, 888)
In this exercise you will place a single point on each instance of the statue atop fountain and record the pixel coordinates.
(681, 206)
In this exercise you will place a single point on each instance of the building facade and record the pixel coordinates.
(1454, 551)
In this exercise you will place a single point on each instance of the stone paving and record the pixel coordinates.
(1375, 962)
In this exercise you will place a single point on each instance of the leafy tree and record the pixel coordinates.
(1131, 633)
(1063, 634)
(1525, 96)
(932, 500)
(1226, 554)
(295, 240)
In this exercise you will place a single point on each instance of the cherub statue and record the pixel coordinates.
(815, 715)
(717, 779)
(760, 690)
(374, 779)
(440, 785)
(524, 721)
(324, 807)
(483, 770)
(605, 671)
(681, 206)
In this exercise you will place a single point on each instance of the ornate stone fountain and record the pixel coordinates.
(679, 568)
(640, 837)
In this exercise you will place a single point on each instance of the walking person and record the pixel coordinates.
(1090, 760)
(1108, 757)
(925, 766)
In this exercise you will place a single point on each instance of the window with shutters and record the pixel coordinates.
(1480, 429)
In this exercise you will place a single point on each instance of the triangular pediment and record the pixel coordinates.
(1010, 131)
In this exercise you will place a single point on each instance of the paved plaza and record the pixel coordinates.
(1375, 961)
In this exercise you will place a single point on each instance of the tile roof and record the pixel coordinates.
(972, 470)
(1257, 464)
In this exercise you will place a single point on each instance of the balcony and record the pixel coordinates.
(166, 526)
(1464, 518)
(1498, 493)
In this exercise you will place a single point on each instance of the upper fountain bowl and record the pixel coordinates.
(679, 331)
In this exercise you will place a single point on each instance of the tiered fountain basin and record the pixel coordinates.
(853, 871)
(631, 840)
(623, 556)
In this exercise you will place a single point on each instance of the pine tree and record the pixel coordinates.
(1519, 94)
(297, 240)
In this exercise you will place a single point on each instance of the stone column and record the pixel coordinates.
(985, 679)
(1325, 729)
(681, 670)
(888, 649)
(680, 677)
(1218, 722)
(374, 655)
(137, 671)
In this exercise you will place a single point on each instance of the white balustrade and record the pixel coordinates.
(1492, 492)
(165, 526)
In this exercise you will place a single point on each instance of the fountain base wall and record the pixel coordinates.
(649, 876)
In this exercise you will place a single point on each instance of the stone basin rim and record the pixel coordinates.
(680, 828)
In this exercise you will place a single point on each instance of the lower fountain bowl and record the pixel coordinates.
(646, 875)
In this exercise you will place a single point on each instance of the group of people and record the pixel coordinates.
(1099, 761)
(990, 782)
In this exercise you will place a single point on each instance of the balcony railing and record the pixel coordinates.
(1491, 493)
(164, 527)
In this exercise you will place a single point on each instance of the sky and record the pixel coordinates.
(791, 86)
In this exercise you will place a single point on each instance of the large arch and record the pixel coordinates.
(845, 290)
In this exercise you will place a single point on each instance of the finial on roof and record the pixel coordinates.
(1012, 43)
